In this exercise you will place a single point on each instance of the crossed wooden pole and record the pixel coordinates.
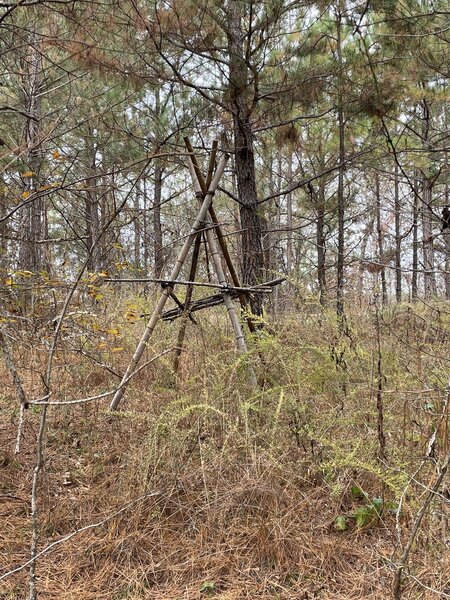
(207, 221)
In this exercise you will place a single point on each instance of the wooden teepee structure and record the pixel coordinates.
(207, 222)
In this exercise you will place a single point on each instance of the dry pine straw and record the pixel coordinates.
(251, 529)
(230, 522)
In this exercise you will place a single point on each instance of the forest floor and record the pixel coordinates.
(202, 488)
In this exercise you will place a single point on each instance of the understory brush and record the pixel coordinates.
(200, 486)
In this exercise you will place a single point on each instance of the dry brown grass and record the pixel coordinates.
(248, 488)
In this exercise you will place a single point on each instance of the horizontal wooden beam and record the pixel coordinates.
(264, 288)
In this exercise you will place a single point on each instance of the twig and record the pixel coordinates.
(9, 361)
(74, 533)
(42, 401)
(415, 530)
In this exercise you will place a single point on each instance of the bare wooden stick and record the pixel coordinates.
(185, 313)
(69, 536)
(212, 163)
(416, 527)
(249, 290)
(46, 402)
(10, 365)
(173, 276)
(238, 333)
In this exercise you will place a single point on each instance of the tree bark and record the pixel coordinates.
(92, 205)
(320, 243)
(252, 248)
(31, 252)
(340, 191)
(137, 227)
(157, 227)
(289, 250)
(380, 240)
(365, 239)
(145, 226)
(447, 263)
(447, 247)
(415, 243)
(4, 230)
(429, 277)
(398, 239)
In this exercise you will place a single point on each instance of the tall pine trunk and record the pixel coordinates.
(447, 263)
(4, 229)
(137, 226)
(380, 240)
(447, 246)
(157, 227)
(340, 191)
(289, 240)
(415, 243)
(33, 223)
(252, 248)
(92, 216)
(398, 239)
(320, 243)
(429, 276)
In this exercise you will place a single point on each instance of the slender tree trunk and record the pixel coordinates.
(107, 252)
(4, 230)
(320, 242)
(137, 226)
(31, 256)
(157, 227)
(270, 259)
(428, 244)
(429, 277)
(447, 248)
(398, 240)
(91, 201)
(447, 263)
(365, 239)
(415, 244)
(380, 240)
(289, 250)
(340, 191)
(252, 249)
(145, 229)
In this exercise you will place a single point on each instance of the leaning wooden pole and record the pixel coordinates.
(169, 288)
(221, 238)
(187, 303)
(195, 254)
(217, 262)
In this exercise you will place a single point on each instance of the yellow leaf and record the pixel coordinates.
(56, 154)
(28, 174)
(118, 349)
(44, 188)
(113, 331)
(131, 316)
(25, 195)
(24, 274)
(8, 281)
